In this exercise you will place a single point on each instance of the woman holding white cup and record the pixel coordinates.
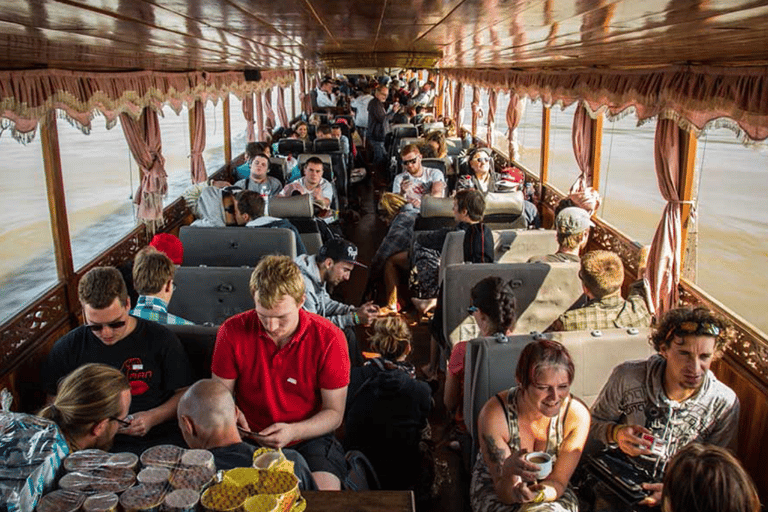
(537, 415)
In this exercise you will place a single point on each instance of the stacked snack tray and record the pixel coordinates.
(166, 455)
(269, 458)
(196, 470)
(31, 451)
(182, 500)
(98, 480)
(89, 459)
(157, 476)
(102, 502)
(61, 501)
(142, 498)
(261, 503)
(224, 497)
(281, 485)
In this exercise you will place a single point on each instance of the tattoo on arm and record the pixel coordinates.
(495, 454)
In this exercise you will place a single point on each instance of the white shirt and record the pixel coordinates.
(360, 104)
(325, 99)
(420, 185)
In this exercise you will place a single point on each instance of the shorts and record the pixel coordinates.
(324, 453)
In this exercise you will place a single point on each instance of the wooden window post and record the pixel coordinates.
(688, 236)
(227, 132)
(595, 150)
(544, 170)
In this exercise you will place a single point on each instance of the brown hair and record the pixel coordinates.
(472, 201)
(251, 203)
(671, 322)
(541, 354)
(274, 277)
(570, 241)
(390, 337)
(100, 286)
(391, 204)
(495, 298)
(439, 137)
(151, 270)
(602, 272)
(707, 478)
(85, 397)
(410, 148)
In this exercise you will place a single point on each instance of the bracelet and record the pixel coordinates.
(615, 434)
(355, 318)
(539, 497)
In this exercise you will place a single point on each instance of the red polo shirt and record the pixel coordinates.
(280, 384)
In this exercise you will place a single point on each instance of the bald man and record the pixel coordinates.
(208, 420)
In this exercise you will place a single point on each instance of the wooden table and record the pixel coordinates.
(359, 501)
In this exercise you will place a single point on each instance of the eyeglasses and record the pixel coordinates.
(112, 325)
(472, 309)
(482, 159)
(411, 161)
(174, 285)
(122, 423)
(230, 209)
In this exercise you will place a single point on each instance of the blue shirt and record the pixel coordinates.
(156, 310)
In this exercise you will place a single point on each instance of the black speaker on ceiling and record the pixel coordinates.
(252, 75)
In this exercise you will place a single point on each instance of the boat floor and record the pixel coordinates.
(452, 479)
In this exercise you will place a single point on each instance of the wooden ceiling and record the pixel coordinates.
(216, 35)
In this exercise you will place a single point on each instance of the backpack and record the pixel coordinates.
(360, 473)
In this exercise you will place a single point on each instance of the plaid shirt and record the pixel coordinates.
(608, 313)
(156, 310)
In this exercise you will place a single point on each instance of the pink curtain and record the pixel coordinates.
(270, 113)
(197, 164)
(281, 113)
(458, 106)
(663, 270)
(514, 115)
(581, 136)
(491, 116)
(250, 133)
(143, 138)
(447, 99)
(476, 112)
(259, 115)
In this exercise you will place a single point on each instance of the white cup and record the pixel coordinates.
(543, 460)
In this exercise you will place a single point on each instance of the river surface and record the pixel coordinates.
(99, 179)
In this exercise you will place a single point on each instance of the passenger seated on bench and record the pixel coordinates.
(672, 396)
(252, 149)
(91, 405)
(602, 274)
(153, 274)
(287, 369)
(208, 420)
(538, 415)
(333, 265)
(417, 180)
(343, 140)
(259, 181)
(387, 408)
(436, 139)
(150, 355)
(572, 231)
(707, 478)
(212, 205)
(249, 212)
(315, 185)
(493, 308)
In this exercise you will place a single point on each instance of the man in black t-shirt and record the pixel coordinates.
(150, 356)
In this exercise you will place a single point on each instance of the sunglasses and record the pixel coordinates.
(482, 159)
(411, 161)
(230, 209)
(690, 327)
(122, 423)
(472, 309)
(112, 325)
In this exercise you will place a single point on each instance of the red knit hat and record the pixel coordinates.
(170, 245)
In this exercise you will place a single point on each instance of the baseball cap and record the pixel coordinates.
(510, 179)
(170, 245)
(339, 249)
(572, 220)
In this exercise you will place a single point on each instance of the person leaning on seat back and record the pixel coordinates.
(252, 149)
(707, 478)
(153, 274)
(672, 397)
(315, 185)
(572, 227)
(537, 415)
(91, 404)
(249, 212)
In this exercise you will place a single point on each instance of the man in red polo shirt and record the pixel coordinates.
(288, 370)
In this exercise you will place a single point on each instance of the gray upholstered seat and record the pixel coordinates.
(543, 291)
(210, 295)
(504, 210)
(198, 342)
(234, 246)
(298, 210)
(490, 364)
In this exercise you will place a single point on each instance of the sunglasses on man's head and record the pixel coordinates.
(691, 327)
(112, 325)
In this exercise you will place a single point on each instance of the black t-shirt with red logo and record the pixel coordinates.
(151, 357)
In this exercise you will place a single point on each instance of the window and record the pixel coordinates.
(237, 125)
(174, 131)
(529, 135)
(27, 265)
(214, 136)
(563, 169)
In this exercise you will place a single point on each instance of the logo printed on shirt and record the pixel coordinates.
(291, 380)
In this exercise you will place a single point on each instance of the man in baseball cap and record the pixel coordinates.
(332, 265)
(572, 226)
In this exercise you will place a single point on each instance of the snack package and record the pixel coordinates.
(31, 451)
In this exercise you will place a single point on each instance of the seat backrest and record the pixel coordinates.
(290, 206)
(433, 127)
(435, 213)
(543, 291)
(404, 141)
(441, 164)
(210, 295)
(399, 131)
(278, 168)
(454, 146)
(327, 164)
(327, 146)
(504, 210)
(234, 246)
(518, 245)
(198, 342)
(490, 363)
(290, 147)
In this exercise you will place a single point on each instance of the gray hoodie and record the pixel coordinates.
(210, 208)
(317, 298)
(634, 395)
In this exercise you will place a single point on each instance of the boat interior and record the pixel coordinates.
(690, 62)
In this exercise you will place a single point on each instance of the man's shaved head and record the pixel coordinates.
(209, 404)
